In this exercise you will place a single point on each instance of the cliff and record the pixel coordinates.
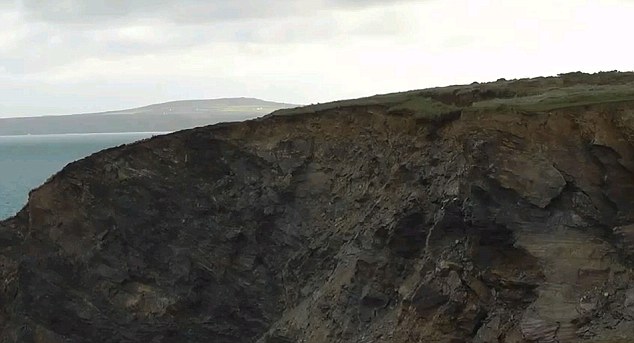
(499, 212)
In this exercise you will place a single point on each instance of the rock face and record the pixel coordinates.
(360, 221)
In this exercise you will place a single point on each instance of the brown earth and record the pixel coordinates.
(353, 222)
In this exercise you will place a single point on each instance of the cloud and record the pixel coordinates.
(181, 11)
(73, 56)
(32, 46)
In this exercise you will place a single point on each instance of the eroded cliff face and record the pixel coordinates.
(354, 223)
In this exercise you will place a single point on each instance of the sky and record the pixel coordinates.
(76, 56)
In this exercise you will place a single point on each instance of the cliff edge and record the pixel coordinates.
(498, 212)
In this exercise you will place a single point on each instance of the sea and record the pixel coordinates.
(28, 161)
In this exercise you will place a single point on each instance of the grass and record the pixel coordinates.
(553, 99)
(424, 108)
(407, 103)
(524, 95)
(376, 100)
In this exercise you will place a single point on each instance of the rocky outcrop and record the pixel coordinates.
(498, 213)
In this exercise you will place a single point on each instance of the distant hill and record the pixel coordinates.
(169, 116)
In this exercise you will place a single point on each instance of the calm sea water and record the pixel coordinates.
(27, 161)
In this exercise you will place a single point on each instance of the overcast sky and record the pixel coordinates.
(73, 56)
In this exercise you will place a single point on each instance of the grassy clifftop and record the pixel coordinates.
(522, 95)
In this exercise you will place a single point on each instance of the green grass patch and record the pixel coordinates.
(553, 99)
(376, 100)
(412, 103)
(524, 95)
(424, 108)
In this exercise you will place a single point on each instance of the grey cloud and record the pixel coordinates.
(87, 11)
(69, 31)
(180, 11)
(50, 43)
(36, 54)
